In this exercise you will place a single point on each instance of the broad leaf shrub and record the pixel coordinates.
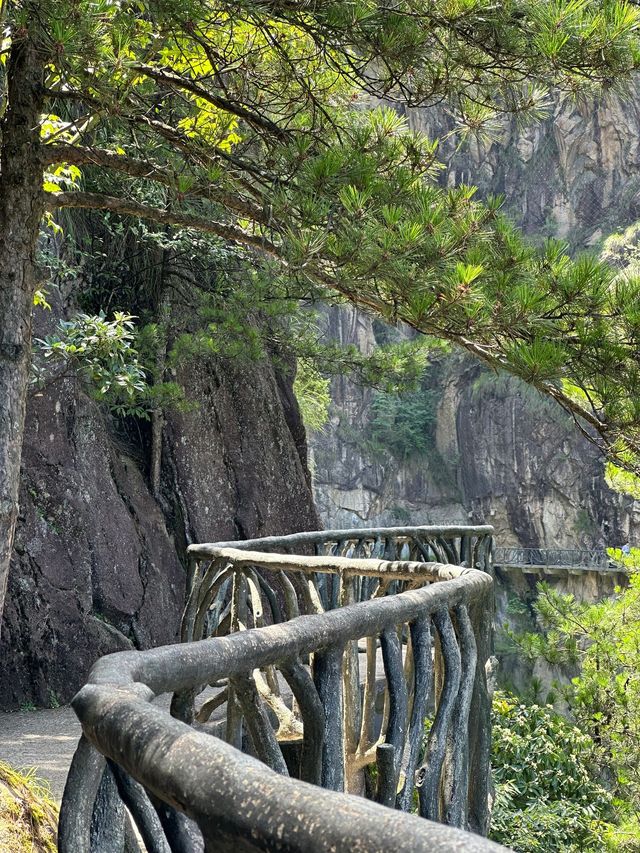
(603, 639)
(547, 800)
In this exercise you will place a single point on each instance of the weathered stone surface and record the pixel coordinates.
(94, 569)
(240, 457)
(502, 455)
(98, 561)
(573, 175)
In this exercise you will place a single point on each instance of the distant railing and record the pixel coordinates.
(595, 558)
(293, 697)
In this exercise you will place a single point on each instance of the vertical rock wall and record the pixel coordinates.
(501, 454)
(98, 563)
(574, 175)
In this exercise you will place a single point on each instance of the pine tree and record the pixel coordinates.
(250, 116)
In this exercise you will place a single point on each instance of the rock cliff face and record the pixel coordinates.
(500, 454)
(239, 459)
(574, 175)
(98, 561)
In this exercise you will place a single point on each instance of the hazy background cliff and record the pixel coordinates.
(495, 450)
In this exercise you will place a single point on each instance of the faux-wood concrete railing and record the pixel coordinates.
(163, 768)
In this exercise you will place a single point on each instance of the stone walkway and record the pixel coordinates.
(45, 740)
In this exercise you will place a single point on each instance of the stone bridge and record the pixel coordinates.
(313, 668)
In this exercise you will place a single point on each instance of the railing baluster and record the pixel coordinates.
(207, 708)
(368, 700)
(257, 608)
(290, 596)
(194, 572)
(394, 671)
(233, 731)
(423, 676)
(80, 792)
(183, 834)
(481, 615)
(312, 596)
(274, 604)
(351, 695)
(377, 552)
(327, 675)
(482, 553)
(449, 551)
(386, 765)
(428, 776)
(312, 711)
(264, 739)
(466, 551)
(145, 817)
(206, 601)
(457, 770)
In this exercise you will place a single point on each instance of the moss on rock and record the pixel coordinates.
(28, 813)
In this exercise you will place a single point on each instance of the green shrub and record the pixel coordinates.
(312, 393)
(547, 800)
(403, 424)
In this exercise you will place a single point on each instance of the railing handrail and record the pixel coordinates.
(174, 667)
(324, 536)
(569, 557)
(233, 796)
(250, 801)
(329, 564)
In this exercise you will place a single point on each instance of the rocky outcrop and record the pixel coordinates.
(500, 454)
(238, 457)
(575, 174)
(525, 468)
(98, 562)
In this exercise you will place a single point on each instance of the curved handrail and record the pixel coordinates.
(427, 531)
(164, 769)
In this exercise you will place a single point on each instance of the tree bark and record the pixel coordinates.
(21, 210)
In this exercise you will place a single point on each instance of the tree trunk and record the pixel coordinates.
(21, 210)
(157, 416)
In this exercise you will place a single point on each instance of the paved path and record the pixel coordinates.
(45, 740)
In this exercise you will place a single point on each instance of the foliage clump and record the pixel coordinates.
(403, 424)
(604, 639)
(103, 354)
(312, 393)
(244, 122)
(547, 800)
(28, 813)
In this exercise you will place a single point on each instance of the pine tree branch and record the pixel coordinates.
(129, 207)
(200, 154)
(331, 280)
(79, 155)
(168, 77)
